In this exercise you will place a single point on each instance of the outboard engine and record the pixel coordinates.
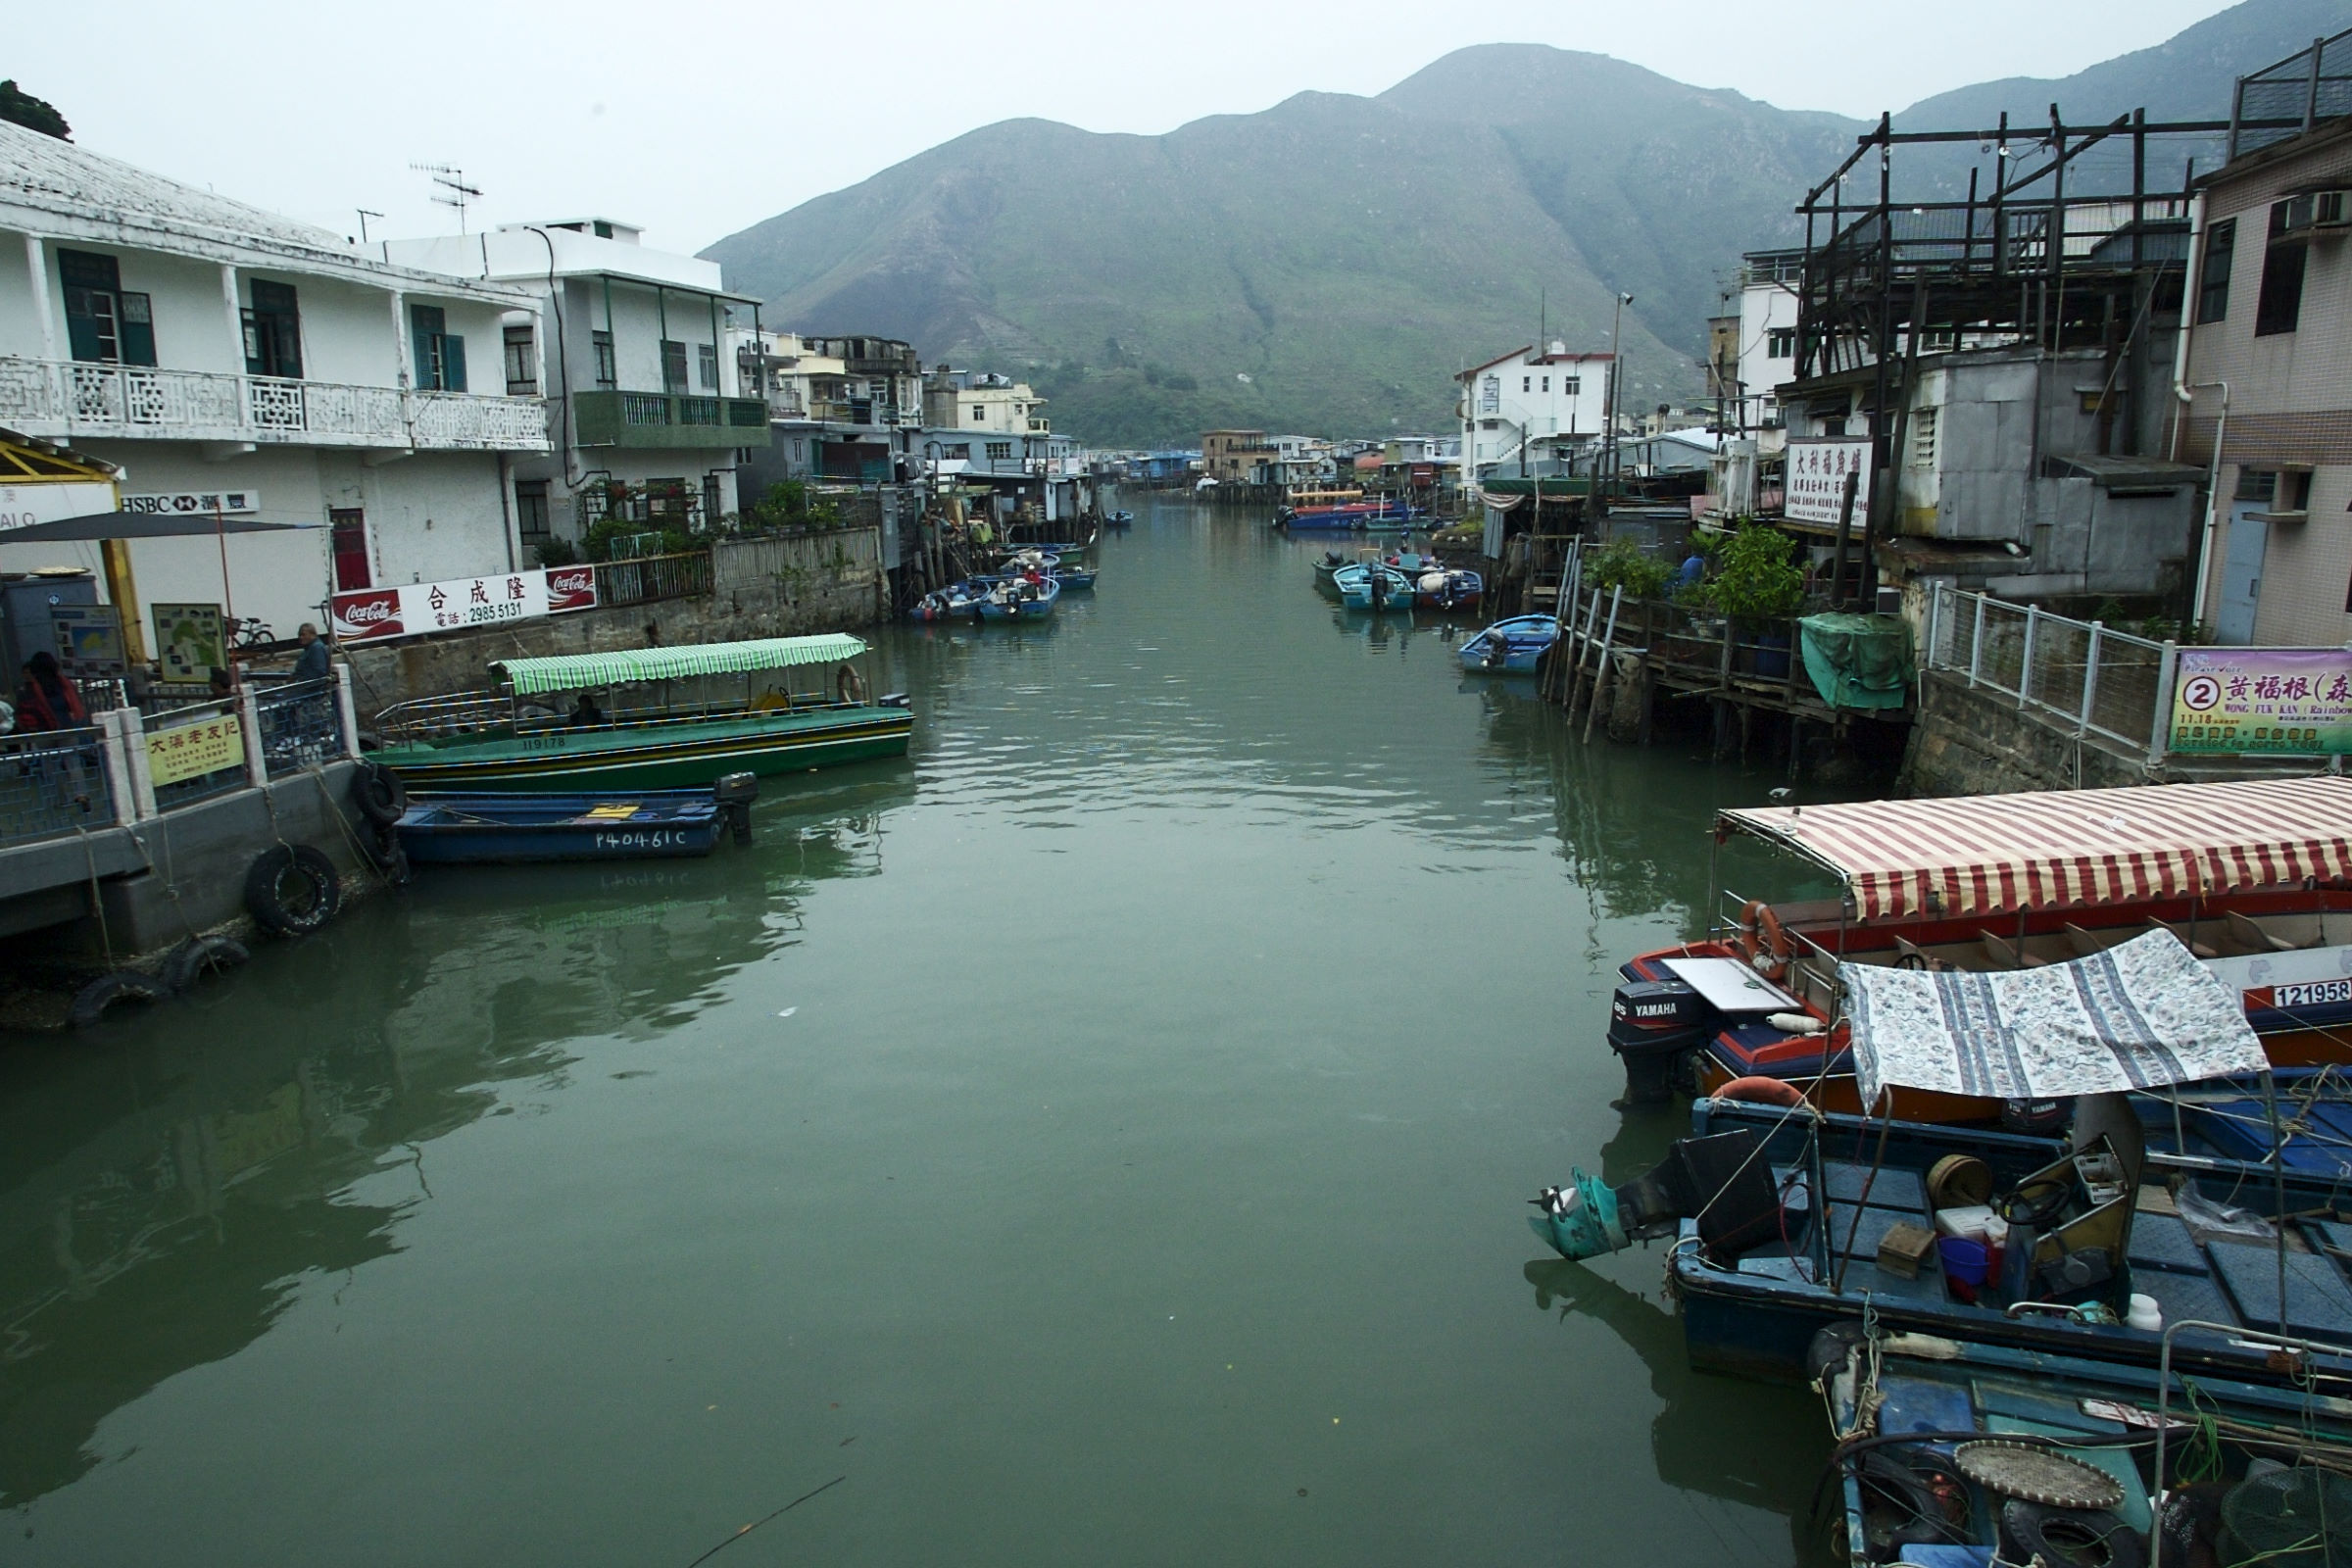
(1722, 1181)
(1652, 1026)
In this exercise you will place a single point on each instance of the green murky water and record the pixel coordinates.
(1100, 1140)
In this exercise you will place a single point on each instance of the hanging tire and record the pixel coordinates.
(292, 890)
(2068, 1538)
(386, 852)
(199, 957)
(379, 793)
(91, 1002)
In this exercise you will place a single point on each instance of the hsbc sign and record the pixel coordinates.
(405, 610)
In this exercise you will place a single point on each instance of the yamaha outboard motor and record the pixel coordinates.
(1652, 1026)
(1722, 1181)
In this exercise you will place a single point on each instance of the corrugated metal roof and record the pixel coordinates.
(572, 671)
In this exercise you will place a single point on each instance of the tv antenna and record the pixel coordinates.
(365, 213)
(455, 192)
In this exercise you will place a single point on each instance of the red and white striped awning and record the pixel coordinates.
(1989, 853)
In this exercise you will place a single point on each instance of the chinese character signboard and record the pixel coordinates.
(1817, 472)
(188, 645)
(191, 751)
(371, 615)
(2294, 702)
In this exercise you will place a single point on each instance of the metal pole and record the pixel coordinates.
(2091, 679)
(2024, 665)
(2160, 726)
(1975, 643)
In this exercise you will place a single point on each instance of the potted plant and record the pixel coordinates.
(1757, 585)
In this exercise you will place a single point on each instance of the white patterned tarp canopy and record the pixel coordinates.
(2140, 1015)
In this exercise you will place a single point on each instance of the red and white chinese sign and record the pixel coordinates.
(1817, 472)
(406, 609)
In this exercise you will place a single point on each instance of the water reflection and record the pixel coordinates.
(168, 1184)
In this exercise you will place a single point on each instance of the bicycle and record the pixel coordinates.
(250, 634)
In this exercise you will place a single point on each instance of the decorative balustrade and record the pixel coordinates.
(66, 400)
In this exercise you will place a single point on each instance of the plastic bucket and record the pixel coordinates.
(1963, 1259)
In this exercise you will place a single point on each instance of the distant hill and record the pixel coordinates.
(1327, 265)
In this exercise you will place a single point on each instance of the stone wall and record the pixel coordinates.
(779, 585)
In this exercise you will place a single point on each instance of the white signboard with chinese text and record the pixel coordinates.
(405, 610)
(1817, 472)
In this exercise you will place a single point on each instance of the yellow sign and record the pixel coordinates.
(191, 751)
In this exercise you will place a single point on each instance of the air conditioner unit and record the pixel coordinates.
(2331, 209)
(2295, 214)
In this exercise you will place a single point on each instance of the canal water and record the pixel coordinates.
(1102, 1138)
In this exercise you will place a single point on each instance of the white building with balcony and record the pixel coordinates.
(1527, 405)
(982, 400)
(650, 414)
(214, 351)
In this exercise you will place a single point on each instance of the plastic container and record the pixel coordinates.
(1963, 1259)
(2144, 1314)
(1972, 1220)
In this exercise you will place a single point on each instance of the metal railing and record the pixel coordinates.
(651, 578)
(53, 782)
(299, 726)
(2082, 675)
(67, 398)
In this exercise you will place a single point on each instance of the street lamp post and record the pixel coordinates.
(1616, 369)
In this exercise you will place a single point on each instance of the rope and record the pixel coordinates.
(335, 814)
(89, 853)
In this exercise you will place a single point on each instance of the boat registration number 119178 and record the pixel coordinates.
(2311, 992)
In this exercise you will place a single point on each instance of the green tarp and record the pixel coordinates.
(1858, 660)
(572, 671)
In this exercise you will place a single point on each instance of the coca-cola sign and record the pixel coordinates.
(405, 610)
(366, 615)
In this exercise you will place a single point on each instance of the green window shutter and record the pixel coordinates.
(138, 329)
(453, 363)
(425, 334)
(82, 326)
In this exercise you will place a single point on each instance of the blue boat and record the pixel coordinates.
(1020, 599)
(1078, 577)
(1376, 588)
(1119, 520)
(1955, 1454)
(479, 829)
(1509, 647)
(957, 601)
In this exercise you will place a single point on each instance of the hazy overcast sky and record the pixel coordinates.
(698, 118)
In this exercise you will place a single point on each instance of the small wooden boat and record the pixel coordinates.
(1331, 562)
(477, 829)
(648, 718)
(1509, 647)
(957, 601)
(1081, 578)
(1354, 517)
(1020, 599)
(1442, 589)
(1374, 587)
(1119, 520)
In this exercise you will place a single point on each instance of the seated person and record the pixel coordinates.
(585, 714)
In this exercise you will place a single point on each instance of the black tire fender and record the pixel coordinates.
(292, 890)
(123, 985)
(2068, 1538)
(199, 957)
(379, 793)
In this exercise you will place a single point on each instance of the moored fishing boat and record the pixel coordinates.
(647, 719)
(474, 829)
(1118, 520)
(1030, 598)
(1331, 562)
(957, 601)
(1509, 647)
(1441, 588)
(2252, 877)
(1374, 587)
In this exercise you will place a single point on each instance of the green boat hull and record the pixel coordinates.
(668, 754)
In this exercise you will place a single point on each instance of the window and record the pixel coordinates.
(274, 331)
(605, 375)
(1002, 450)
(707, 356)
(102, 323)
(1572, 386)
(2213, 274)
(1526, 383)
(1548, 383)
(1780, 343)
(711, 498)
(979, 414)
(440, 356)
(531, 512)
(523, 361)
(2280, 304)
(347, 543)
(604, 230)
(673, 365)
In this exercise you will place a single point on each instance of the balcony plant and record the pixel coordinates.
(1756, 579)
(1624, 564)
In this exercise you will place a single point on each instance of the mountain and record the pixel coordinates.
(1328, 263)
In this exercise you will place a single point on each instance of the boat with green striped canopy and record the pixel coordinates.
(648, 718)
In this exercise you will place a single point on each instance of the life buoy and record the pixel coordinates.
(1762, 940)
(847, 687)
(1760, 1091)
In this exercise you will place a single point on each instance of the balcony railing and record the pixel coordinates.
(667, 420)
(64, 399)
(650, 578)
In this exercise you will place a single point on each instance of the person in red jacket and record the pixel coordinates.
(47, 700)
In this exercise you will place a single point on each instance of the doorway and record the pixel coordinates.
(2241, 572)
(347, 541)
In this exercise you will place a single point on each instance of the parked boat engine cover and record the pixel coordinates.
(1722, 1179)
(1652, 1026)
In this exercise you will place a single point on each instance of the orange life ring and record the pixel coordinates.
(1759, 1091)
(1762, 940)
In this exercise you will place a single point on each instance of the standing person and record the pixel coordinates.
(311, 663)
(47, 701)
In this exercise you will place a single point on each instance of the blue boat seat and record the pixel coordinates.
(2319, 1302)
(2184, 1296)
(1894, 1188)
(2163, 1241)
